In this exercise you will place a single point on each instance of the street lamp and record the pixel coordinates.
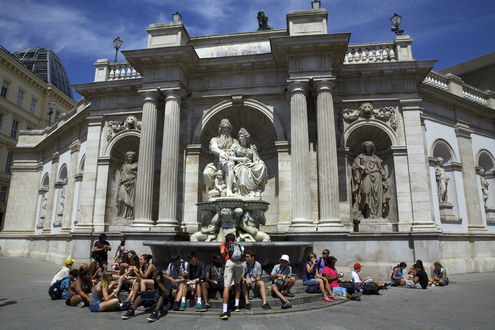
(51, 105)
(396, 22)
(117, 43)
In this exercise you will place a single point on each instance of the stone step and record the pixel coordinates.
(257, 310)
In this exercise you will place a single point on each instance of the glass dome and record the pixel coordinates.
(47, 65)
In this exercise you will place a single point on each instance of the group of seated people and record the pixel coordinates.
(417, 277)
(97, 287)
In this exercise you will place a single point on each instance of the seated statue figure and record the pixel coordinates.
(209, 227)
(220, 187)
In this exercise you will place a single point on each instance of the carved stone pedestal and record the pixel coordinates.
(490, 215)
(241, 216)
(447, 213)
(378, 225)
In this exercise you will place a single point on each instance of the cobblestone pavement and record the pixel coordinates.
(467, 303)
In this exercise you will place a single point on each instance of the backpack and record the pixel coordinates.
(370, 289)
(236, 251)
(54, 291)
(313, 289)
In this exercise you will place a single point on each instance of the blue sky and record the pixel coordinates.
(80, 32)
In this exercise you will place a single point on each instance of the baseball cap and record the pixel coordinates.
(357, 265)
(69, 262)
(285, 257)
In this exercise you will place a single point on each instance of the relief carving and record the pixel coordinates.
(366, 110)
(115, 126)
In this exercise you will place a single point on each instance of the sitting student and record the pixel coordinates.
(311, 277)
(196, 275)
(93, 271)
(65, 285)
(282, 281)
(320, 262)
(439, 275)
(251, 279)
(397, 275)
(101, 299)
(102, 269)
(333, 277)
(145, 274)
(83, 267)
(63, 272)
(214, 278)
(412, 271)
(232, 274)
(158, 297)
(359, 282)
(176, 273)
(419, 279)
(80, 290)
(130, 274)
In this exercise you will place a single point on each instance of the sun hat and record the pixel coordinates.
(285, 257)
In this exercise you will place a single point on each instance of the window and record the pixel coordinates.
(28, 128)
(8, 165)
(3, 194)
(20, 96)
(15, 126)
(1, 121)
(33, 106)
(5, 89)
(57, 114)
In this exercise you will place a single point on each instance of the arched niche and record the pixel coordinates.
(117, 150)
(62, 173)
(441, 148)
(80, 168)
(485, 160)
(383, 138)
(45, 181)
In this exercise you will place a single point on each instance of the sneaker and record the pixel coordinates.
(237, 309)
(129, 314)
(224, 316)
(182, 307)
(198, 307)
(154, 316)
(248, 306)
(207, 307)
(356, 295)
(176, 306)
(80, 305)
(266, 306)
(288, 294)
(286, 305)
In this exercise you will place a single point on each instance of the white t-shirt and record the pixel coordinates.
(64, 272)
(355, 277)
(176, 272)
(251, 272)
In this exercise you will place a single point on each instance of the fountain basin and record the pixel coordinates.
(267, 253)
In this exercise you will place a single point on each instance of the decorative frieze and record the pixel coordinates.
(115, 127)
(366, 110)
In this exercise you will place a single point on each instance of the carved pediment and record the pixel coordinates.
(366, 110)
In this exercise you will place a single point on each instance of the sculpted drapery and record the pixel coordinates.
(127, 187)
(369, 184)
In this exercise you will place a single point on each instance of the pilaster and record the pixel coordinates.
(51, 195)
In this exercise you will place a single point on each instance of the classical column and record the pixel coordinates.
(301, 191)
(167, 212)
(143, 202)
(419, 174)
(328, 171)
(469, 180)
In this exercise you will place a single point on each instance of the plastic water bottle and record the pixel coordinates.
(269, 291)
(192, 302)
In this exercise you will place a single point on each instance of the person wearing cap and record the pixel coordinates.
(282, 280)
(63, 272)
(359, 282)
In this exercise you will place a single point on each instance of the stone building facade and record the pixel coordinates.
(311, 100)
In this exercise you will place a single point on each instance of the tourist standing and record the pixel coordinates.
(233, 273)
(101, 248)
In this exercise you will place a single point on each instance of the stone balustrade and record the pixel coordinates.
(455, 85)
(437, 80)
(111, 71)
(378, 52)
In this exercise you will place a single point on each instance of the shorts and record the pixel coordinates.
(256, 290)
(70, 294)
(216, 287)
(280, 288)
(233, 273)
(95, 308)
(310, 282)
(150, 300)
